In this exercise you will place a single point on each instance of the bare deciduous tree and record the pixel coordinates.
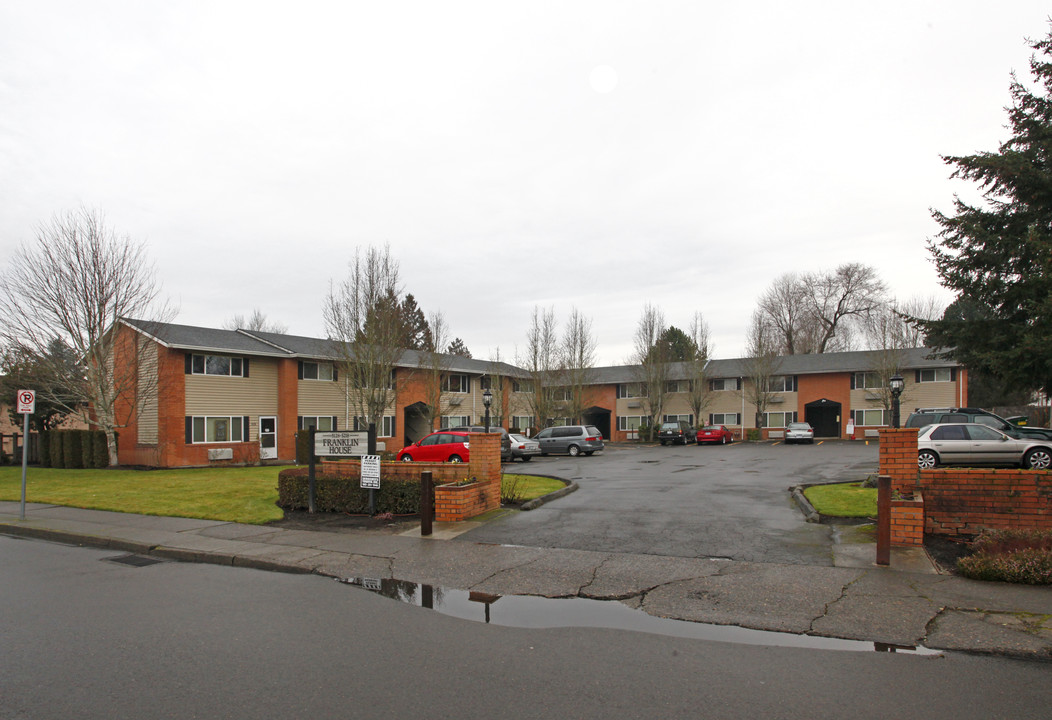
(540, 359)
(851, 293)
(434, 369)
(257, 321)
(578, 359)
(786, 311)
(699, 395)
(762, 362)
(889, 334)
(366, 330)
(651, 357)
(74, 283)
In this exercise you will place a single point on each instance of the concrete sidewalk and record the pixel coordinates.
(905, 605)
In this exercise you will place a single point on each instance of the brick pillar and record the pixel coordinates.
(898, 457)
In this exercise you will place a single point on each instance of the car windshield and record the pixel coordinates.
(799, 426)
(518, 438)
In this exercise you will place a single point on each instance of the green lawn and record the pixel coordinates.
(522, 488)
(843, 500)
(243, 494)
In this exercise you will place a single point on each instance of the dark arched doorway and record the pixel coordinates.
(600, 417)
(824, 417)
(414, 423)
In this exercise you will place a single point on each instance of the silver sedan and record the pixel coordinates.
(799, 432)
(974, 444)
(523, 448)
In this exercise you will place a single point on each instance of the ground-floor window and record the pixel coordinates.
(689, 419)
(322, 423)
(455, 421)
(628, 423)
(386, 429)
(870, 418)
(216, 429)
(523, 422)
(778, 419)
(724, 419)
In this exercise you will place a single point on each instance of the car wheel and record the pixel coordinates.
(1038, 459)
(575, 451)
(407, 458)
(926, 459)
(526, 458)
(455, 459)
(723, 440)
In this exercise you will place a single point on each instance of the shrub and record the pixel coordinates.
(55, 451)
(44, 449)
(87, 448)
(341, 492)
(512, 489)
(753, 435)
(1015, 556)
(101, 454)
(643, 433)
(72, 456)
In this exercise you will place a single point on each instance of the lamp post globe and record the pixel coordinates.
(896, 383)
(487, 400)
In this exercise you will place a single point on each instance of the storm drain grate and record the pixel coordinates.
(134, 560)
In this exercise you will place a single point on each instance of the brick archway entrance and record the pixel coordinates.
(824, 416)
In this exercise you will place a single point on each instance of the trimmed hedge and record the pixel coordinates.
(336, 492)
(74, 449)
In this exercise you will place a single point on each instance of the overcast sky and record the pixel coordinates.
(592, 154)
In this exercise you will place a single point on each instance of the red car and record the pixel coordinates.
(441, 446)
(715, 434)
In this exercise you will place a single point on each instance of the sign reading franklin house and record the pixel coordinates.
(342, 443)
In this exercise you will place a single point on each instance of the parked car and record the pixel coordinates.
(442, 446)
(524, 448)
(714, 434)
(976, 444)
(505, 439)
(572, 439)
(930, 416)
(679, 431)
(799, 432)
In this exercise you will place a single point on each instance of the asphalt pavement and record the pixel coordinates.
(907, 605)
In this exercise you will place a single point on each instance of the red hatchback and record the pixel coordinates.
(715, 434)
(441, 446)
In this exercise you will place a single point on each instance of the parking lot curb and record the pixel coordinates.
(810, 514)
(537, 502)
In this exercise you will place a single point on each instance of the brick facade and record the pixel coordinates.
(960, 501)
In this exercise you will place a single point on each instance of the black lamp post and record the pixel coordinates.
(896, 383)
(487, 400)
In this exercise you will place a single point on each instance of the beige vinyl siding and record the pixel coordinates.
(928, 394)
(255, 395)
(146, 388)
(323, 397)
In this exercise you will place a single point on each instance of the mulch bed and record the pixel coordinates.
(341, 522)
(947, 551)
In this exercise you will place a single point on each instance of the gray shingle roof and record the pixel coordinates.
(244, 342)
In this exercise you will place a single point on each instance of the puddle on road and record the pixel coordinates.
(530, 611)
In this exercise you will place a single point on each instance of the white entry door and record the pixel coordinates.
(268, 438)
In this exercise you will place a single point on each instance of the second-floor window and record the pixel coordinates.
(456, 384)
(725, 384)
(867, 381)
(218, 365)
(317, 371)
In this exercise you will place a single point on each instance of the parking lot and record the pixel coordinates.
(687, 501)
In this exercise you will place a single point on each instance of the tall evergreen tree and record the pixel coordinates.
(457, 347)
(997, 255)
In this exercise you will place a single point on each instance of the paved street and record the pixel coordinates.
(87, 637)
(687, 501)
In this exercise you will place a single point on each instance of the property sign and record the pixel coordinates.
(371, 472)
(341, 443)
(27, 402)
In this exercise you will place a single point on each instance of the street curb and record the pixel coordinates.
(537, 502)
(69, 538)
(810, 514)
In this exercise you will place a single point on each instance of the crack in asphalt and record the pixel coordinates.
(831, 603)
(595, 572)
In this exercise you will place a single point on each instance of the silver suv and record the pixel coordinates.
(572, 439)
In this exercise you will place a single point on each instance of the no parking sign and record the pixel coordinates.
(26, 403)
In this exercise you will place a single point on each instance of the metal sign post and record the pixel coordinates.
(27, 405)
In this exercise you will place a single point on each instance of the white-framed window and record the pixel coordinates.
(562, 394)
(867, 381)
(559, 421)
(936, 375)
(871, 418)
(455, 421)
(689, 419)
(629, 423)
(324, 423)
(677, 386)
(522, 422)
(724, 419)
(631, 390)
(456, 384)
(386, 429)
(218, 365)
(216, 429)
(521, 386)
(781, 383)
(718, 384)
(317, 371)
(778, 419)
